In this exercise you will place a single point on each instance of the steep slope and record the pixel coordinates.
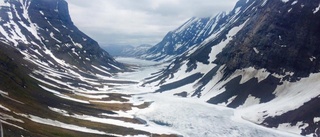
(56, 81)
(45, 31)
(263, 61)
(187, 36)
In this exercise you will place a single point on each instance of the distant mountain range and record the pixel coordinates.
(127, 50)
(186, 37)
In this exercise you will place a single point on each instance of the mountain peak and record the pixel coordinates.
(45, 27)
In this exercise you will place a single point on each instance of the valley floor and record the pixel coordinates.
(188, 117)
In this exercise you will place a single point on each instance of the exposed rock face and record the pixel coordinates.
(187, 36)
(263, 58)
(280, 37)
(46, 64)
(45, 26)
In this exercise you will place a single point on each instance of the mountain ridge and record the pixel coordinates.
(263, 49)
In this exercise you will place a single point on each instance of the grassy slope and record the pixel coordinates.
(15, 80)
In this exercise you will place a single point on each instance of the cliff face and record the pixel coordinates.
(47, 63)
(280, 37)
(262, 61)
(45, 26)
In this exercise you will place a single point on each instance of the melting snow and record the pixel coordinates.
(296, 129)
(66, 126)
(295, 2)
(4, 108)
(218, 48)
(195, 118)
(256, 50)
(2, 3)
(41, 12)
(316, 119)
(316, 10)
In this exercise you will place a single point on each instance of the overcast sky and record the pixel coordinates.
(135, 22)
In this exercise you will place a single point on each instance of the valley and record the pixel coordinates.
(252, 71)
(189, 117)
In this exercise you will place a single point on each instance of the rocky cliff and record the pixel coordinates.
(262, 61)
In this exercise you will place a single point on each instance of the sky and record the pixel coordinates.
(136, 22)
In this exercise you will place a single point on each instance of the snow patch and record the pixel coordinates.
(251, 100)
(3, 3)
(52, 36)
(296, 129)
(316, 10)
(3, 93)
(256, 50)
(4, 108)
(218, 48)
(316, 119)
(312, 58)
(59, 124)
(101, 70)
(41, 12)
(264, 2)
(295, 2)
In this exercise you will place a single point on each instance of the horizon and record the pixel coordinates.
(146, 22)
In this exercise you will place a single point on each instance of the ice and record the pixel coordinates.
(192, 117)
(284, 1)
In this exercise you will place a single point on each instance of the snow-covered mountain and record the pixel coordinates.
(263, 60)
(187, 36)
(44, 31)
(127, 50)
(57, 81)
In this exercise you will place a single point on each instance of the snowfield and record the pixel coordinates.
(189, 117)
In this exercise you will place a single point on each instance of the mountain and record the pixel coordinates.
(127, 50)
(45, 31)
(263, 60)
(187, 36)
(57, 81)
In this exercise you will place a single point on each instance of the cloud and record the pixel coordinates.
(135, 22)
